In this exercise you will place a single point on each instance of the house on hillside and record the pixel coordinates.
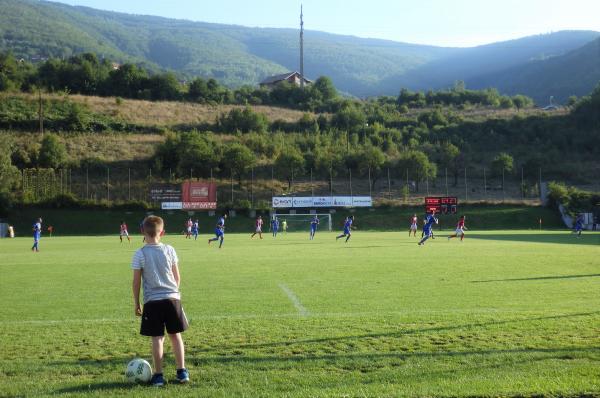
(291, 77)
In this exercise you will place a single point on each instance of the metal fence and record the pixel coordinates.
(255, 187)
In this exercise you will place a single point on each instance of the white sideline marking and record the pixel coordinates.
(294, 299)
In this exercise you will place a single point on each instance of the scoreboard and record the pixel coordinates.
(444, 204)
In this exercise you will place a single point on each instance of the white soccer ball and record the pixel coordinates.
(138, 371)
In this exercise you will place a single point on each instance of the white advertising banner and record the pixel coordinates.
(342, 201)
(321, 201)
(282, 201)
(171, 205)
(303, 201)
(362, 201)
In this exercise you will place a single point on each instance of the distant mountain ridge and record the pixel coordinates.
(237, 55)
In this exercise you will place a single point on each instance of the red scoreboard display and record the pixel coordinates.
(444, 205)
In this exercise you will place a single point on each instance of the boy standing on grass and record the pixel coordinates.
(156, 265)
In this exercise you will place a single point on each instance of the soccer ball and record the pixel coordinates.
(138, 371)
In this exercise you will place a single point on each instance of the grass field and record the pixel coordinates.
(506, 313)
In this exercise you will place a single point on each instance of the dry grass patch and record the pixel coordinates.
(149, 113)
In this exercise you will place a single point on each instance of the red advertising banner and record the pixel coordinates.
(197, 195)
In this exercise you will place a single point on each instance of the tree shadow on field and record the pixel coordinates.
(565, 238)
(388, 335)
(539, 278)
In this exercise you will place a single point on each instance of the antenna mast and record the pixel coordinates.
(301, 47)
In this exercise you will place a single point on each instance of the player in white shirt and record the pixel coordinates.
(413, 225)
(124, 232)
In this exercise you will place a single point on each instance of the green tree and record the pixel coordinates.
(237, 158)
(197, 153)
(53, 153)
(502, 164)
(419, 167)
(290, 162)
(127, 81)
(371, 159)
(324, 86)
(164, 86)
(244, 121)
(521, 101)
(448, 158)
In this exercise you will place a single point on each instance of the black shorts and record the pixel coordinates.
(160, 314)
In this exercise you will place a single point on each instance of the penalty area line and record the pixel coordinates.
(302, 311)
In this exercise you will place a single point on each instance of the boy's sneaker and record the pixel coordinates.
(157, 380)
(183, 376)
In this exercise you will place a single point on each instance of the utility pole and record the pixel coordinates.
(301, 47)
(41, 111)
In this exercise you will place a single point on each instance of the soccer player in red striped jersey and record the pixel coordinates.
(413, 225)
(258, 225)
(460, 229)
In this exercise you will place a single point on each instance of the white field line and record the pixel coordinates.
(302, 311)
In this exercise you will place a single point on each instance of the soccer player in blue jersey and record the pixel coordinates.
(275, 226)
(195, 227)
(347, 229)
(578, 225)
(37, 234)
(428, 227)
(314, 223)
(219, 231)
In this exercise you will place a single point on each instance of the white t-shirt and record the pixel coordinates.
(156, 262)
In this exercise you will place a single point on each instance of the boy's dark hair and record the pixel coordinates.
(153, 225)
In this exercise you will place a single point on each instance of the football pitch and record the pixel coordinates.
(504, 313)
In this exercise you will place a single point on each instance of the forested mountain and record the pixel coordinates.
(237, 55)
(570, 74)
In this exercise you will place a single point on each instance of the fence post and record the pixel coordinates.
(389, 185)
(370, 189)
(446, 171)
(231, 187)
(522, 185)
(466, 187)
(331, 181)
(540, 185)
(503, 184)
(108, 184)
(484, 185)
(129, 184)
(350, 174)
(272, 183)
(252, 187)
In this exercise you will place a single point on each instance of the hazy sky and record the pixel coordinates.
(438, 22)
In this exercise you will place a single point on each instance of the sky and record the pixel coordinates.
(457, 23)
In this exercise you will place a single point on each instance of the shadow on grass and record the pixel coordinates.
(533, 237)
(96, 387)
(539, 278)
(390, 334)
(560, 353)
